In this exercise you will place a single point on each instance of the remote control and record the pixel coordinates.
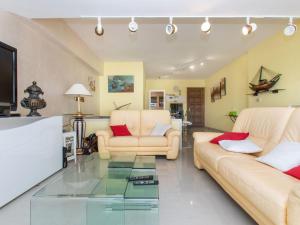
(145, 182)
(150, 177)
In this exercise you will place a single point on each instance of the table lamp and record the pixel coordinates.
(78, 90)
(79, 125)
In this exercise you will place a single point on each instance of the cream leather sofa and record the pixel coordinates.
(140, 124)
(266, 194)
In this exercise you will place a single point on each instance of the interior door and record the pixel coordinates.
(196, 106)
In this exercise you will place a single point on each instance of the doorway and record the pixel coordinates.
(196, 106)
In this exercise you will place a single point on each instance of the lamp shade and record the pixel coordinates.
(78, 89)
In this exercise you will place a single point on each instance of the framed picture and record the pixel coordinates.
(217, 92)
(120, 83)
(70, 144)
(92, 83)
(223, 86)
(212, 97)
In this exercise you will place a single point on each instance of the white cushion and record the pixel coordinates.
(243, 146)
(160, 129)
(284, 156)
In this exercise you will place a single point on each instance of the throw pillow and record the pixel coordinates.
(294, 172)
(230, 136)
(243, 146)
(120, 130)
(284, 156)
(160, 129)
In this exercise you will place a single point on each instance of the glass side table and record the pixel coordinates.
(91, 193)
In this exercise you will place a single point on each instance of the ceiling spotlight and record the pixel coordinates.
(291, 28)
(133, 26)
(205, 27)
(192, 67)
(249, 27)
(202, 64)
(99, 30)
(171, 28)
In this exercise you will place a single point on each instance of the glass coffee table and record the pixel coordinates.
(96, 192)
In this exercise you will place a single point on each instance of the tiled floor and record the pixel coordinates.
(187, 196)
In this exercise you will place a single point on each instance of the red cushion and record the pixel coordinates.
(230, 136)
(294, 172)
(120, 130)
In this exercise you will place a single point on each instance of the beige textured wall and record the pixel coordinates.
(53, 67)
(64, 36)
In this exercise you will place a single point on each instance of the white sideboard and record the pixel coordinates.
(30, 151)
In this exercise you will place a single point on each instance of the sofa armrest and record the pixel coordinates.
(293, 206)
(172, 133)
(204, 136)
(105, 134)
(173, 137)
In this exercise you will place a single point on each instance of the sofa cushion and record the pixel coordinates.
(120, 130)
(125, 141)
(265, 125)
(284, 156)
(294, 172)
(149, 118)
(263, 186)
(160, 129)
(155, 141)
(129, 117)
(211, 154)
(241, 146)
(229, 136)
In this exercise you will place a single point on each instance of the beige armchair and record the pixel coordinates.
(140, 125)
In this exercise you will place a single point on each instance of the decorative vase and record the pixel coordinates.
(33, 101)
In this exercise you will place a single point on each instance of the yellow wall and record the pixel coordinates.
(278, 53)
(168, 85)
(235, 99)
(122, 68)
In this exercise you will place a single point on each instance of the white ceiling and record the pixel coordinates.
(156, 8)
(164, 55)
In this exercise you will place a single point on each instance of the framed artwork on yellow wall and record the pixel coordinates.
(120, 83)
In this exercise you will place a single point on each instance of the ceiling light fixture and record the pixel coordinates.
(206, 26)
(291, 28)
(171, 28)
(133, 26)
(192, 67)
(202, 64)
(248, 28)
(99, 30)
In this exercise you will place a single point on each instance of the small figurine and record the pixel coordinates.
(33, 102)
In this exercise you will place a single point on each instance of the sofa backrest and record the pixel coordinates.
(149, 118)
(129, 117)
(265, 125)
(292, 129)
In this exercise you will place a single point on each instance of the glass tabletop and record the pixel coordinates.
(91, 193)
(93, 178)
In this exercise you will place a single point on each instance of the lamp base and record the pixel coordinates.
(79, 151)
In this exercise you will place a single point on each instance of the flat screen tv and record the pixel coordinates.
(8, 76)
